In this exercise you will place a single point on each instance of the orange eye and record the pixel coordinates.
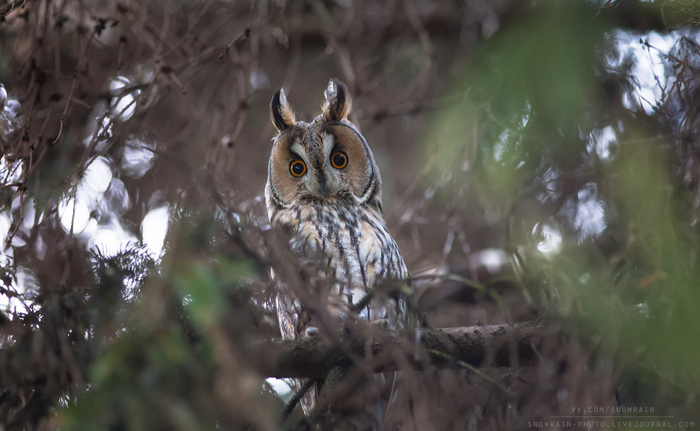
(339, 160)
(297, 168)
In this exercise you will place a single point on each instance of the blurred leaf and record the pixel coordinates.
(203, 288)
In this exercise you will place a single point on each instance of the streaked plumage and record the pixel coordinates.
(323, 183)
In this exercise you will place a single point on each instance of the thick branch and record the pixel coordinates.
(479, 346)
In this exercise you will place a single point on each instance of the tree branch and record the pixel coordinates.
(479, 346)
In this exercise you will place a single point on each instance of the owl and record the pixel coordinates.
(324, 185)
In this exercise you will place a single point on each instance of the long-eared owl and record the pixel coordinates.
(324, 184)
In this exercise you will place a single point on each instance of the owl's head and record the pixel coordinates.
(325, 161)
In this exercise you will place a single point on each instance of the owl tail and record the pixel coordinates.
(338, 417)
(308, 401)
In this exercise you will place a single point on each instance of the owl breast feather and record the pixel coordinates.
(354, 243)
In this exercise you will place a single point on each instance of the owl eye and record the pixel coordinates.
(297, 168)
(339, 160)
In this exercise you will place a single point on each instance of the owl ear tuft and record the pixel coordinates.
(281, 112)
(338, 103)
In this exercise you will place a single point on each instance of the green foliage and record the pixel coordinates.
(532, 100)
(201, 288)
(158, 358)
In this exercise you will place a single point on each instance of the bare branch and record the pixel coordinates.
(479, 346)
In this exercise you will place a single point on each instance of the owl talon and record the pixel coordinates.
(380, 323)
(311, 331)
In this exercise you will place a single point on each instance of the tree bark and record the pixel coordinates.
(477, 346)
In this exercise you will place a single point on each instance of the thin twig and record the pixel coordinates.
(65, 108)
(469, 368)
(296, 398)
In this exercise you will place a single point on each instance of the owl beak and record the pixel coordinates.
(322, 188)
(319, 188)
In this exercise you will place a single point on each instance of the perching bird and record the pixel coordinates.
(323, 183)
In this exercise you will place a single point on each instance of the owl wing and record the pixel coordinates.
(287, 314)
(382, 262)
